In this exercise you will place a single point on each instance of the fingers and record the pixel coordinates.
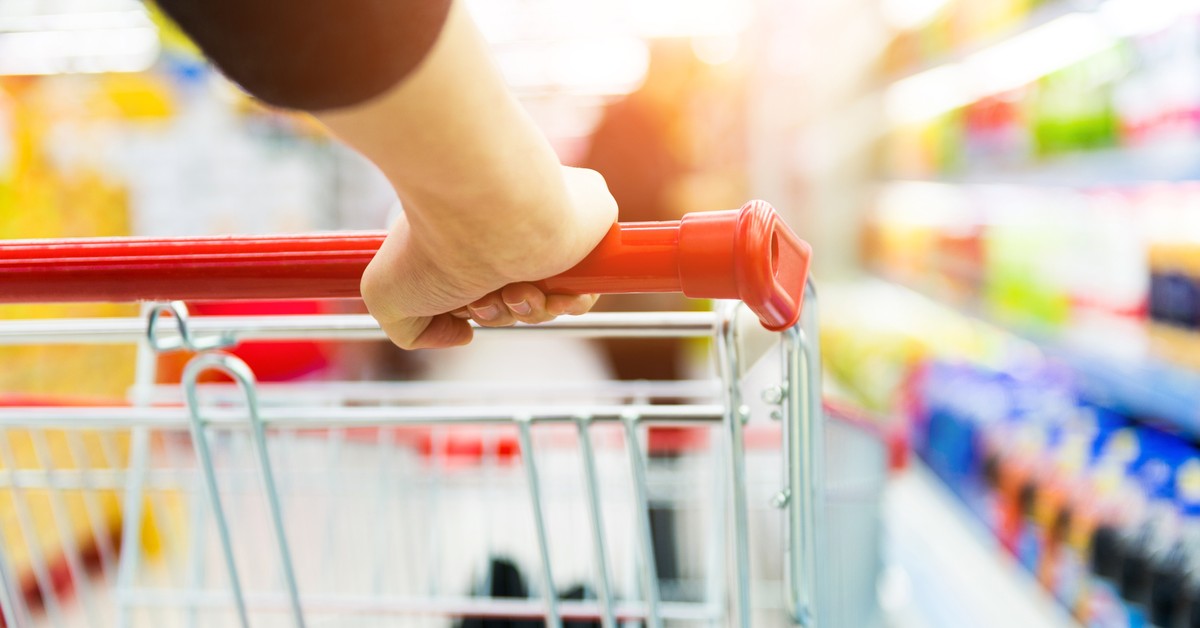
(443, 331)
(491, 311)
(428, 332)
(526, 302)
(523, 302)
(519, 302)
(570, 304)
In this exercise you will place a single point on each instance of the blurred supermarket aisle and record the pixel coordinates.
(1003, 202)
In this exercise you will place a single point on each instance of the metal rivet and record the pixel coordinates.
(781, 499)
(773, 394)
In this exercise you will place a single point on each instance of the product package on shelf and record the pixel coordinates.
(1053, 259)
(1100, 508)
(1174, 301)
(1032, 255)
(1137, 94)
(1098, 504)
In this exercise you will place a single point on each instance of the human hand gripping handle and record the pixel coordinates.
(747, 254)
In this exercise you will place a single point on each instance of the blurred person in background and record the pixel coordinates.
(411, 85)
(650, 146)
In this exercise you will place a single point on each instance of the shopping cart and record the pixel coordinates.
(425, 503)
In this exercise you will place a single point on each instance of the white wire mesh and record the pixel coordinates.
(387, 526)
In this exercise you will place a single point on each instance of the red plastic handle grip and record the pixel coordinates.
(747, 254)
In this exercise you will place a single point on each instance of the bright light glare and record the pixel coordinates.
(1133, 17)
(927, 94)
(1026, 57)
(84, 37)
(1015, 62)
(595, 66)
(689, 18)
(614, 65)
(598, 48)
(78, 51)
(73, 21)
(911, 14)
(716, 50)
(1037, 52)
(920, 203)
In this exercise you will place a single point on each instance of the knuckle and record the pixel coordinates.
(369, 285)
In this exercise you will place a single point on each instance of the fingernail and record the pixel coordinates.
(487, 313)
(521, 308)
(463, 314)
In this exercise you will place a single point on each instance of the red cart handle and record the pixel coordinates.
(747, 254)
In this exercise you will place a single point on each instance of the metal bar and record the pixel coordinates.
(645, 537)
(165, 528)
(145, 374)
(12, 599)
(91, 502)
(489, 470)
(129, 558)
(183, 338)
(806, 464)
(730, 365)
(595, 514)
(168, 480)
(133, 506)
(717, 554)
(169, 533)
(241, 373)
(798, 552)
(328, 393)
(350, 604)
(333, 494)
(437, 444)
(196, 556)
(320, 418)
(549, 594)
(342, 327)
(33, 543)
(200, 442)
(386, 447)
(72, 555)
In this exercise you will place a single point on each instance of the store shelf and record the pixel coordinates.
(1114, 362)
(1036, 18)
(1116, 368)
(1166, 161)
(1049, 40)
(946, 570)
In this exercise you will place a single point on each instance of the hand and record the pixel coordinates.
(425, 283)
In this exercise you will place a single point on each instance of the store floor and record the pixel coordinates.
(945, 571)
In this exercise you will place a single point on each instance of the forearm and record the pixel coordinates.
(410, 84)
(464, 156)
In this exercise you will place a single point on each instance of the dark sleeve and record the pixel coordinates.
(312, 54)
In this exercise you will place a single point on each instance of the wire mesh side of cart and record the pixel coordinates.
(436, 504)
